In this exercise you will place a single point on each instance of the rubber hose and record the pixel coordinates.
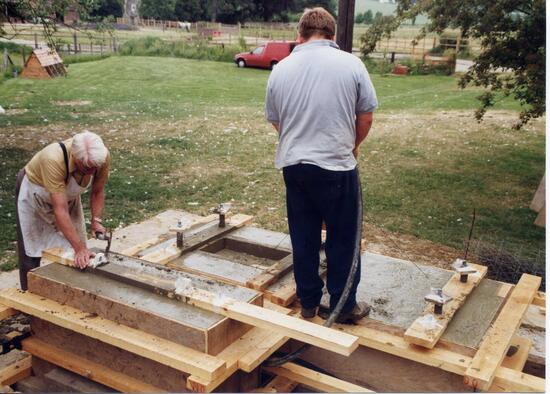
(276, 361)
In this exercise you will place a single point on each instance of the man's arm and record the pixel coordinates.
(97, 202)
(65, 225)
(363, 122)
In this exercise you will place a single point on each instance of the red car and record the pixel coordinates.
(265, 56)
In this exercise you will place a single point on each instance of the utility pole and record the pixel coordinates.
(344, 31)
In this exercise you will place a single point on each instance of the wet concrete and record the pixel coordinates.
(213, 265)
(472, 320)
(395, 289)
(131, 295)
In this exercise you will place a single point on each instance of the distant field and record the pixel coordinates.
(189, 134)
(385, 8)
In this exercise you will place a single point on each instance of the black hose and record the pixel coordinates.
(276, 361)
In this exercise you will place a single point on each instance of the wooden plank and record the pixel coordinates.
(292, 327)
(232, 356)
(519, 358)
(281, 385)
(14, 366)
(89, 369)
(419, 334)
(438, 357)
(271, 275)
(134, 250)
(171, 252)
(535, 317)
(540, 299)
(59, 256)
(481, 372)
(6, 312)
(316, 380)
(132, 340)
(266, 346)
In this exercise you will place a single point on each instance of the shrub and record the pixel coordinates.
(71, 59)
(197, 49)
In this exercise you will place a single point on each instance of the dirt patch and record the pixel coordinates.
(16, 111)
(71, 103)
(408, 247)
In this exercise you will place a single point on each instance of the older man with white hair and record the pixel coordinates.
(48, 204)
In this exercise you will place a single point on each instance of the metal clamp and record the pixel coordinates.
(438, 298)
(222, 211)
(464, 269)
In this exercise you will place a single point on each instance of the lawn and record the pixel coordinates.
(189, 134)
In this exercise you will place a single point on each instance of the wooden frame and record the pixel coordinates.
(132, 340)
(89, 369)
(323, 383)
(483, 368)
(421, 335)
(14, 366)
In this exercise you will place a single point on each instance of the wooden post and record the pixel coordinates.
(75, 43)
(344, 31)
(5, 60)
(457, 48)
(35, 41)
(91, 48)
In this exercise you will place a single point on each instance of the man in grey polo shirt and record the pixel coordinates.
(320, 99)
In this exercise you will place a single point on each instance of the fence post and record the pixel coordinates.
(5, 60)
(35, 41)
(91, 48)
(75, 43)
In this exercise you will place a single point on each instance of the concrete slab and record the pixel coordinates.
(265, 237)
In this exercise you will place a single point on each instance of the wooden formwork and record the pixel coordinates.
(125, 344)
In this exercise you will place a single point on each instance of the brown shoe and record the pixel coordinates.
(308, 313)
(359, 311)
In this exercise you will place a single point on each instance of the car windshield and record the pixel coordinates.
(258, 51)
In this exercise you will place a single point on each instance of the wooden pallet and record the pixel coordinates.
(272, 329)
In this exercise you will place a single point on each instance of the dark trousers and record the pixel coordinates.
(314, 195)
(26, 263)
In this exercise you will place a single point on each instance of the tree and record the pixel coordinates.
(512, 36)
(108, 8)
(377, 16)
(367, 17)
(154, 9)
(43, 12)
(190, 10)
(359, 18)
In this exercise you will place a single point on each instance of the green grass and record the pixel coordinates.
(189, 134)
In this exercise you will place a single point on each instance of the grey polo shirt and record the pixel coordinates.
(314, 95)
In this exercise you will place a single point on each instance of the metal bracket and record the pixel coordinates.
(464, 269)
(438, 298)
(222, 211)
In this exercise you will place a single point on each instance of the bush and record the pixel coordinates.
(71, 59)
(199, 49)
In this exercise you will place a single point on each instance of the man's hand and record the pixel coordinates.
(97, 228)
(355, 152)
(82, 257)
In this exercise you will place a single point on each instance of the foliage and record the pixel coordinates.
(367, 17)
(512, 35)
(73, 59)
(105, 8)
(359, 18)
(200, 50)
(190, 10)
(155, 9)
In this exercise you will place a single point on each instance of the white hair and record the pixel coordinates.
(89, 149)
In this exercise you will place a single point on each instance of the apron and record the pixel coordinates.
(37, 218)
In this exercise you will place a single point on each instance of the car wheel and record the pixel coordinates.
(241, 63)
(273, 64)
